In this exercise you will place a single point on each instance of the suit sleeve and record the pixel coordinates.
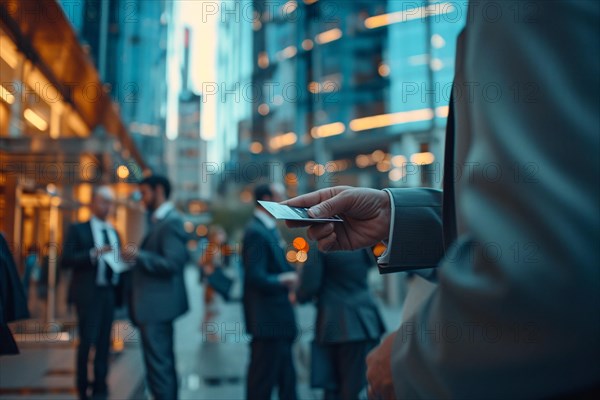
(75, 255)
(311, 277)
(515, 312)
(256, 262)
(417, 230)
(172, 254)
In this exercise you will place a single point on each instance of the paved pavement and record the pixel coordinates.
(211, 363)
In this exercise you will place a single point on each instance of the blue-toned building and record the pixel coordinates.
(127, 40)
(351, 92)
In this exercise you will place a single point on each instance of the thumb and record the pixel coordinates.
(329, 207)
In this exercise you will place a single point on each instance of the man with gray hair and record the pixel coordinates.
(92, 288)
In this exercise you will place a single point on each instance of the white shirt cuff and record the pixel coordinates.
(385, 257)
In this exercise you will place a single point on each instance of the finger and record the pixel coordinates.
(319, 231)
(310, 199)
(333, 206)
(329, 243)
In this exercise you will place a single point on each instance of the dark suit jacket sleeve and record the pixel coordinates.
(311, 277)
(171, 255)
(75, 254)
(256, 262)
(417, 234)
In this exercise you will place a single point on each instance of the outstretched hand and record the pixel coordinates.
(366, 214)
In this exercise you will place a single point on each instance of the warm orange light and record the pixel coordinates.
(300, 243)
(123, 172)
(290, 256)
(246, 196)
(384, 70)
(378, 155)
(396, 174)
(335, 128)
(328, 36)
(263, 109)
(319, 170)
(379, 249)
(288, 52)
(283, 140)
(309, 167)
(35, 119)
(314, 87)
(6, 95)
(307, 44)
(398, 161)
(291, 178)
(201, 230)
(118, 345)
(442, 111)
(188, 226)
(384, 166)
(409, 15)
(256, 148)
(263, 59)
(301, 256)
(363, 161)
(383, 120)
(289, 7)
(422, 158)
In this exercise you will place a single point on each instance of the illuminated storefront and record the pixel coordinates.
(60, 135)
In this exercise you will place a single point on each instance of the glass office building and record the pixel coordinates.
(350, 92)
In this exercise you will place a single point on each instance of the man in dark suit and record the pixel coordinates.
(92, 288)
(348, 322)
(158, 293)
(515, 310)
(268, 311)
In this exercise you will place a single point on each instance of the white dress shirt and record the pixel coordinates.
(162, 211)
(98, 226)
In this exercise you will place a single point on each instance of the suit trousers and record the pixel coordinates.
(159, 358)
(271, 364)
(95, 324)
(350, 368)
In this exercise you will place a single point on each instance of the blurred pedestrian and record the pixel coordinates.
(213, 259)
(268, 312)
(348, 323)
(32, 268)
(88, 247)
(158, 294)
(13, 304)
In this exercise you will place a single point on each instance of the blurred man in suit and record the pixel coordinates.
(268, 311)
(13, 303)
(158, 293)
(348, 322)
(93, 288)
(517, 251)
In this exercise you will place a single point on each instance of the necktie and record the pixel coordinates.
(107, 269)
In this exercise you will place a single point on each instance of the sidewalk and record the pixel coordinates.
(207, 370)
(45, 369)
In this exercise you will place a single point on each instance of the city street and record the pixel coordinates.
(207, 369)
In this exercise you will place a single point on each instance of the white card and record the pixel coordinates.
(280, 211)
(113, 260)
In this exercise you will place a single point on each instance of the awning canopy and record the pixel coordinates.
(42, 32)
